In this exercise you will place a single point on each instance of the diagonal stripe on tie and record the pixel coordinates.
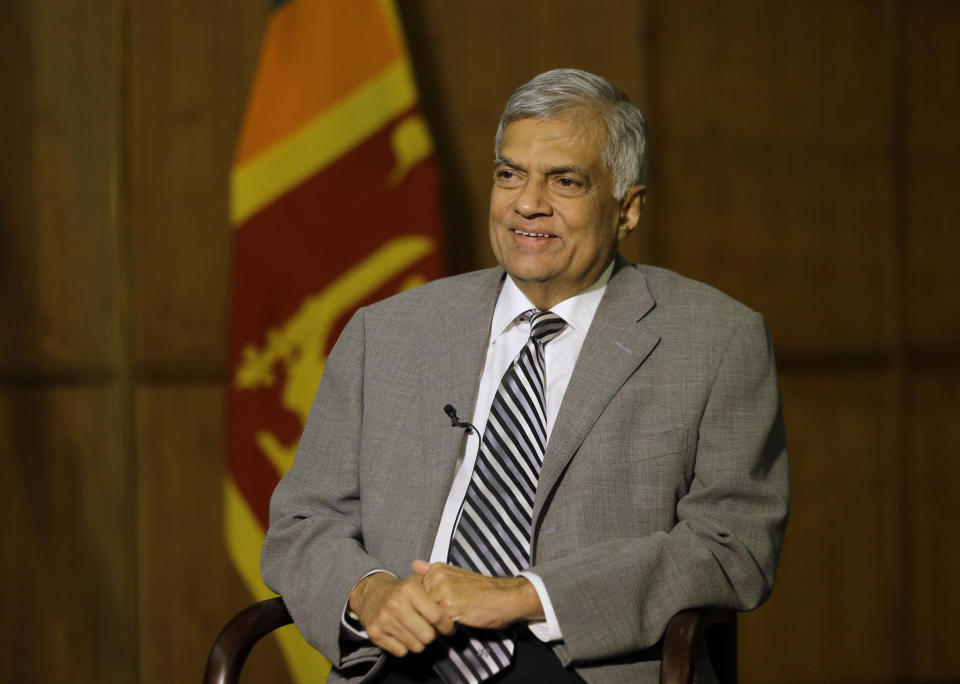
(499, 436)
(492, 534)
(508, 524)
(521, 429)
(517, 517)
(507, 474)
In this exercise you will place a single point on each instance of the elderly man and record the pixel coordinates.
(625, 457)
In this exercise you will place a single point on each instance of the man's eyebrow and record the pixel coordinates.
(569, 168)
(556, 171)
(505, 162)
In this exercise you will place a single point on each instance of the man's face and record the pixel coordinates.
(554, 222)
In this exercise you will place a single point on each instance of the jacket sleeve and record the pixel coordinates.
(313, 553)
(616, 597)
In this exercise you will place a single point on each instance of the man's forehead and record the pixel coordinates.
(585, 119)
(557, 142)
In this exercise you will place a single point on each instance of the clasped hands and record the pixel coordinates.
(404, 615)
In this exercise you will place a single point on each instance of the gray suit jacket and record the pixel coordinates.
(664, 484)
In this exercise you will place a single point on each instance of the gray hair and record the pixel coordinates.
(552, 93)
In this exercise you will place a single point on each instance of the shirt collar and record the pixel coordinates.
(578, 311)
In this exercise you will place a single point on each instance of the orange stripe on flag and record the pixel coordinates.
(302, 73)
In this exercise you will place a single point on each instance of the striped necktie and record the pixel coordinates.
(492, 535)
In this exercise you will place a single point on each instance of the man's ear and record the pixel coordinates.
(630, 209)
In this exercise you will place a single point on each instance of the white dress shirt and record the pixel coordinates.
(508, 335)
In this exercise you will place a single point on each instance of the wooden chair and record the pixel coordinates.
(683, 636)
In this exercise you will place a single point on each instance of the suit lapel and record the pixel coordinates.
(452, 360)
(614, 347)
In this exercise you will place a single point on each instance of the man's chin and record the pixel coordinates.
(529, 275)
(533, 267)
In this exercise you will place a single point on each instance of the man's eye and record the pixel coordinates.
(568, 185)
(507, 177)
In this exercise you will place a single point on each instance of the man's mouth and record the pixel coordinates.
(528, 234)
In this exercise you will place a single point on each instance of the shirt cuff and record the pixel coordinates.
(548, 629)
(350, 625)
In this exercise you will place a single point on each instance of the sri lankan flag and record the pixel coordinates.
(333, 200)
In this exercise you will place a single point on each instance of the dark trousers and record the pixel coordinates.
(533, 663)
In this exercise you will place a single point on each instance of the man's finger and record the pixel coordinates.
(420, 614)
(420, 567)
(419, 632)
(409, 630)
(390, 645)
(445, 625)
(434, 614)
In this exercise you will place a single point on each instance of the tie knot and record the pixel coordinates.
(545, 325)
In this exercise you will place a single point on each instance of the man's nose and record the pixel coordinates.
(532, 201)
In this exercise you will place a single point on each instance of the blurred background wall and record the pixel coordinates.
(805, 159)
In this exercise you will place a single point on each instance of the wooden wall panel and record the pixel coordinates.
(190, 67)
(188, 584)
(471, 56)
(67, 566)
(66, 575)
(189, 72)
(17, 273)
(933, 483)
(58, 229)
(931, 64)
(771, 163)
(833, 614)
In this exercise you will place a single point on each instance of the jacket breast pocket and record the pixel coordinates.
(628, 482)
(623, 443)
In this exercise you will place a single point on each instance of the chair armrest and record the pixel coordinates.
(247, 627)
(682, 638)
